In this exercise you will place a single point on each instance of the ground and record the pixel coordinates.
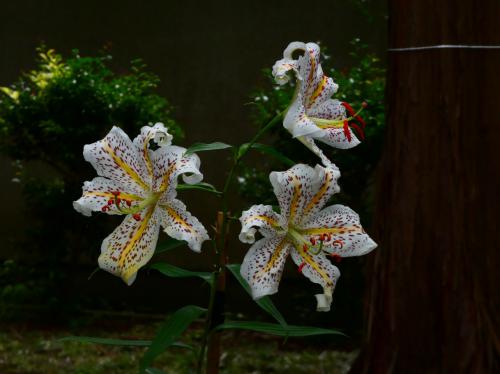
(36, 350)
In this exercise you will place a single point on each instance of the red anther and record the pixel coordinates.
(129, 203)
(105, 208)
(329, 236)
(336, 257)
(348, 108)
(118, 201)
(305, 247)
(364, 104)
(347, 132)
(358, 130)
(137, 216)
(301, 266)
(313, 241)
(110, 201)
(116, 193)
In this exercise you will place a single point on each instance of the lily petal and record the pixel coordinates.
(168, 163)
(159, 134)
(263, 265)
(281, 69)
(318, 269)
(264, 218)
(297, 122)
(179, 224)
(293, 189)
(347, 237)
(116, 158)
(97, 194)
(323, 189)
(131, 245)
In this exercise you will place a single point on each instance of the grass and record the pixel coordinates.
(28, 350)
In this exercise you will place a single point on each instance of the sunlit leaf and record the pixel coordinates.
(200, 147)
(264, 302)
(169, 332)
(175, 272)
(276, 329)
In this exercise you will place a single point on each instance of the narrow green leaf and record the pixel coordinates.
(198, 186)
(264, 302)
(168, 245)
(120, 342)
(175, 272)
(199, 147)
(275, 329)
(268, 150)
(169, 332)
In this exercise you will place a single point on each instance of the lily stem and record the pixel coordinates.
(216, 302)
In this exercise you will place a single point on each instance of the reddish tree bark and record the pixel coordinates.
(433, 296)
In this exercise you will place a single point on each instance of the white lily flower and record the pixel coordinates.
(312, 113)
(141, 184)
(304, 230)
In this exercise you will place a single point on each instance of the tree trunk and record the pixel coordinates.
(433, 297)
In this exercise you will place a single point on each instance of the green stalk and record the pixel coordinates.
(219, 249)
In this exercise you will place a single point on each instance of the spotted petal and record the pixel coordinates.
(263, 265)
(170, 162)
(97, 194)
(297, 122)
(319, 270)
(347, 237)
(324, 187)
(131, 245)
(116, 158)
(299, 186)
(281, 69)
(157, 133)
(262, 217)
(179, 224)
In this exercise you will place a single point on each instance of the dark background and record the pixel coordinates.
(209, 57)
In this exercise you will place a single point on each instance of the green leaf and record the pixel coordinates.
(169, 332)
(120, 342)
(198, 186)
(199, 147)
(271, 151)
(276, 329)
(264, 302)
(168, 245)
(175, 272)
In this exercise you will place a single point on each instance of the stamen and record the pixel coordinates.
(105, 208)
(118, 201)
(116, 193)
(312, 240)
(136, 216)
(301, 266)
(110, 201)
(305, 247)
(129, 202)
(347, 132)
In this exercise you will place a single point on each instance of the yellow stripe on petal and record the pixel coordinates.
(319, 195)
(178, 218)
(267, 219)
(166, 177)
(274, 258)
(297, 191)
(310, 261)
(122, 164)
(332, 230)
(123, 196)
(129, 245)
(318, 90)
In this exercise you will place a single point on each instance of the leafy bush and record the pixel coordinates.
(364, 81)
(46, 117)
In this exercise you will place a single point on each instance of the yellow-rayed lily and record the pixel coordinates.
(140, 183)
(302, 229)
(312, 114)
